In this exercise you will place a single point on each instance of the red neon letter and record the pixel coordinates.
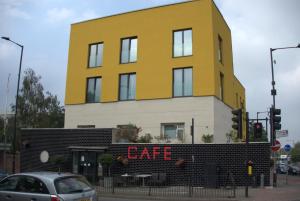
(155, 152)
(167, 153)
(145, 152)
(134, 156)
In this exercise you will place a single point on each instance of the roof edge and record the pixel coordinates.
(239, 81)
(143, 9)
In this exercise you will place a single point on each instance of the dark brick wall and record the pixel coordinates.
(226, 157)
(56, 142)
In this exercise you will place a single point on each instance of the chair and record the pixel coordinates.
(162, 178)
(134, 180)
(154, 179)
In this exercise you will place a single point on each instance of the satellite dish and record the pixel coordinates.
(44, 156)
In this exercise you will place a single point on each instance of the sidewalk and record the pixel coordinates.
(289, 191)
(283, 191)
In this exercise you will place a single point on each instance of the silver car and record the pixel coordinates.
(46, 186)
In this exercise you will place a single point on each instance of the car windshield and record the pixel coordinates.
(69, 185)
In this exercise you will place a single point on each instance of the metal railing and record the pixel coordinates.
(206, 186)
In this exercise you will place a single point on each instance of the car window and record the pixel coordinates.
(31, 185)
(68, 185)
(9, 184)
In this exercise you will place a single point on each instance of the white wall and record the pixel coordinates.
(222, 120)
(149, 114)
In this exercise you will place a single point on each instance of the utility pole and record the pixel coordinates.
(247, 157)
(5, 122)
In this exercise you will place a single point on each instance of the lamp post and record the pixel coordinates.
(273, 93)
(16, 106)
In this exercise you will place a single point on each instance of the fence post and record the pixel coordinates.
(113, 185)
(190, 187)
(262, 180)
(149, 192)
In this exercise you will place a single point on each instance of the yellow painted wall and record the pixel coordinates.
(232, 86)
(154, 29)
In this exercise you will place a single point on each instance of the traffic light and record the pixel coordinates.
(275, 118)
(237, 122)
(257, 128)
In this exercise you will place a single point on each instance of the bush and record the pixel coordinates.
(207, 138)
(145, 139)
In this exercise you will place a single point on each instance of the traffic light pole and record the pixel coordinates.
(273, 108)
(247, 159)
(273, 93)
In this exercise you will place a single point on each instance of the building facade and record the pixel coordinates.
(156, 68)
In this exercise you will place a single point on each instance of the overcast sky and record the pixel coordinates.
(43, 27)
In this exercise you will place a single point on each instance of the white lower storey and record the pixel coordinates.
(211, 116)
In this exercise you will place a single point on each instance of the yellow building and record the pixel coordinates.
(156, 68)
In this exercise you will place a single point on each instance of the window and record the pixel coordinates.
(182, 82)
(221, 86)
(85, 126)
(129, 50)
(9, 184)
(31, 185)
(127, 86)
(220, 49)
(182, 43)
(69, 185)
(93, 90)
(173, 131)
(95, 55)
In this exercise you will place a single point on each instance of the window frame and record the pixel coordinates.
(173, 82)
(87, 88)
(222, 86)
(89, 55)
(129, 48)
(177, 124)
(128, 83)
(173, 42)
(220, 49)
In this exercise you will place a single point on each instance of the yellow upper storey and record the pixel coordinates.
(155, 62)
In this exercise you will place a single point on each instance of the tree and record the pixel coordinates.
(37, 109)
(128, 133)
(295, 153)
(8, 128)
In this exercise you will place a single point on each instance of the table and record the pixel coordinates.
(126, 176)
(143, 176)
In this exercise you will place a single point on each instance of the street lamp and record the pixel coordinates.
(273, 93)
(16, 109)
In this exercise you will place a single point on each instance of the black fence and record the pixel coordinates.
(158, 185)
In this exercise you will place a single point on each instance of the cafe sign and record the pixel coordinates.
(135, 153)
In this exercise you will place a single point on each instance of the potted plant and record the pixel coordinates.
(122, 159)
(180, 163)
(58, 161)
(106, 161)
(207, 138)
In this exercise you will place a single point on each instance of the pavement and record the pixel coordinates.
(288, 189)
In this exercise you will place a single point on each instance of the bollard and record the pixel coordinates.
(262, 180)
